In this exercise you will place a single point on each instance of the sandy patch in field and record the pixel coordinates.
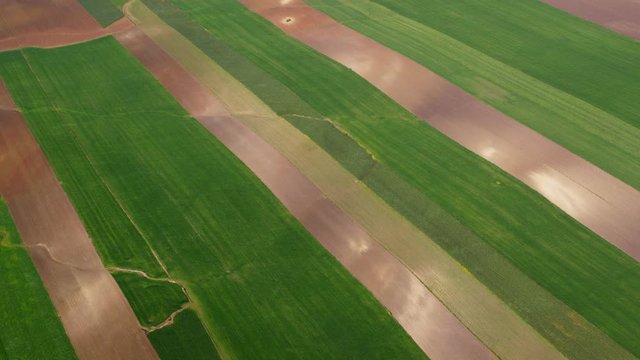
(424, 317)
(622, 16)
(598, 200)
(45, 23)
(93, 310)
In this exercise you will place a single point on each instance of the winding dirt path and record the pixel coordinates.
(621, 16)
(606, 205)
(436, 330)
(45, 24)
(93, 310)
(169, 320)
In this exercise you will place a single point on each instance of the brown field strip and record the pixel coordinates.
(622, 16)
(436, 330)
(43, 23)
(93, 310)
(606, 205)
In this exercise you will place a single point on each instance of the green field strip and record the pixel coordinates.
(597, 136)
(102, 215)
(552, 249)
(105, 12)
(164, 310)
(185, 339)
(552, 318)
(261, 284)
(31, 327)
(153, 301)
(576, 56)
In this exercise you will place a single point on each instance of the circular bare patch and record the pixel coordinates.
(287, 20)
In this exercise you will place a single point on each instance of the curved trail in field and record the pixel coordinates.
(601, 202)
(168, 322)
(621, 16)
(170, 319)
(144, 275)
(93, 310)
(424, 317)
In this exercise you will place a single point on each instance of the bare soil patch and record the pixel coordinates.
(598, 200)
(42, 23)
(622, 16)
(93, 310)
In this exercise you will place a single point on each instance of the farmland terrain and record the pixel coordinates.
(222, 179)
(378, 125)
(188, 209)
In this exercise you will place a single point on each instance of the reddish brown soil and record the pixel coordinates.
(6, 101)
(93, 310)
(598, 200)
(45, 23)
(430, 324)
(622, 16)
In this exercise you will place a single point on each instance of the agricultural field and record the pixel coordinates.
(480, 197)
(561, 92)
(31, 328)
(248, 179)
(153, 300)
(212, 226)
(186, 338)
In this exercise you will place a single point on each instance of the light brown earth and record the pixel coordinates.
(93, 310)
(436, 330)
(606, 205)
(45, 23)
(622, 16)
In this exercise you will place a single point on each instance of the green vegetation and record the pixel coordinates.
(152, 300)
(580, 124)
(184, 339)
(465, 199)
(104, 11)
(31, 328)
(262, 286)
(118, 4)
(571, 54)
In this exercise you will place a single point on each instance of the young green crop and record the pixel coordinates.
(153, 301)
(31, 328)
(263, 287)
(581, 125)
(547, 245)
(184, 339)
(571, 54)
(104, 11)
